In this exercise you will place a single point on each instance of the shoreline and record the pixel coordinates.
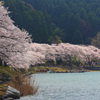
(50, 70)
(70, 71)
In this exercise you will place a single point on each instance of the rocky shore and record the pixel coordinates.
(7, 92)
(10, 94)
(15, 83)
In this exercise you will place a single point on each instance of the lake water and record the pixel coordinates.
(67, 86)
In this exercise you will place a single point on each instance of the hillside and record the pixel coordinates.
(35, 22)
(78, 19)
(55, 21)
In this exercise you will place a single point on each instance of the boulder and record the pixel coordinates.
(11, 94)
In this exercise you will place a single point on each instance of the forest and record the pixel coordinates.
(35, 22)
(56, 21)
(78, 20)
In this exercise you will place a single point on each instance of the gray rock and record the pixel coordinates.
(11, 94)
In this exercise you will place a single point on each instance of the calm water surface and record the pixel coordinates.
(67, 86)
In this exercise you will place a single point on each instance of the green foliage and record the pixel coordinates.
(78, 19)
(1, 71)
(55, 62)
(37, 23)
(96, 40)
(7, 70)
(56, 21)
(74, 60)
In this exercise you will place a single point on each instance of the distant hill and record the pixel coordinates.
(73, 21)
(79, 19)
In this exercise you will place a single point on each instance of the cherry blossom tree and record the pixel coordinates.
(65, 52)
(17, 50)
(14, 43)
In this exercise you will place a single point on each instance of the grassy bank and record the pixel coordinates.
(5, 72)
(18, 79)
(56, 69)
